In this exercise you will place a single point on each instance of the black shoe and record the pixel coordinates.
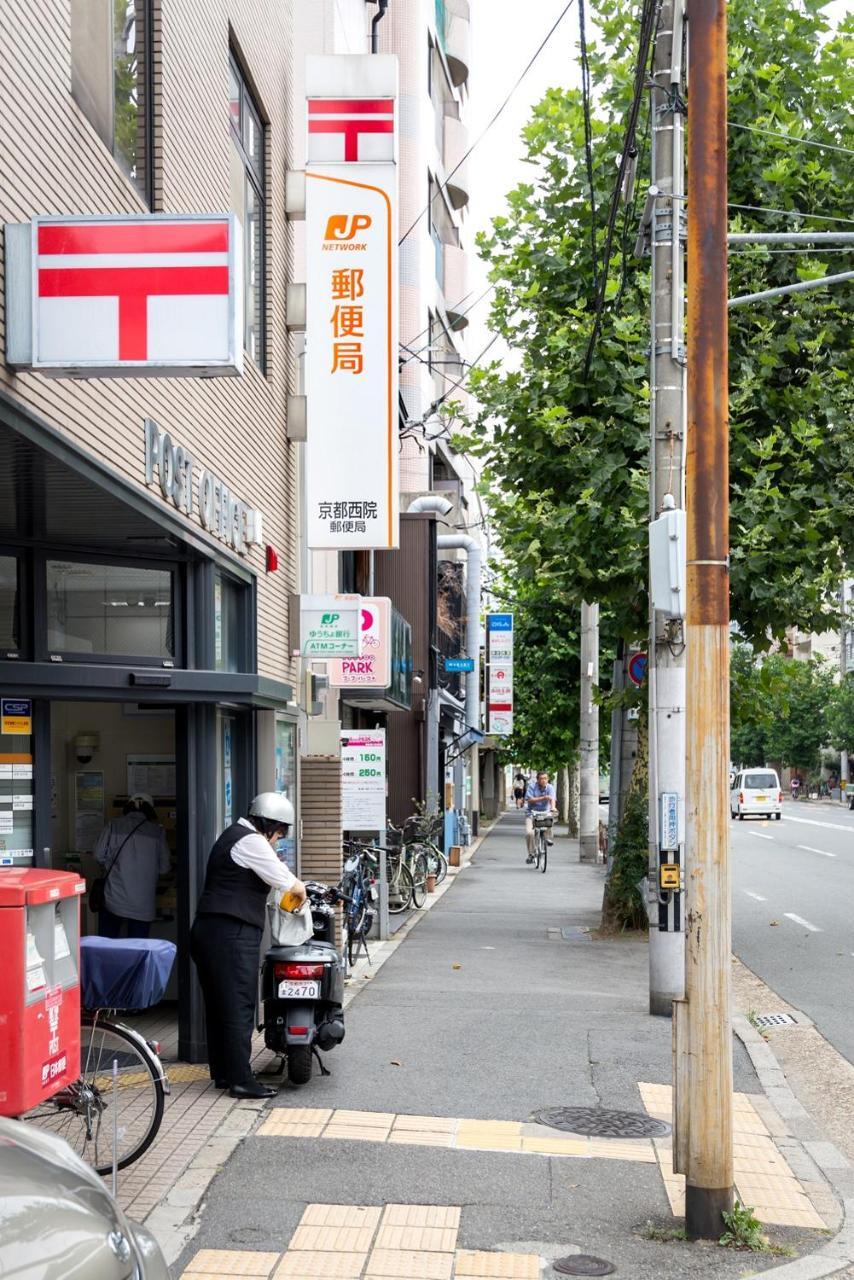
(550, 842)
(220, 1084)
(529, 859)
(254, 1090)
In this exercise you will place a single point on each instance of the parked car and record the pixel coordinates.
(756, 792)
(59, 1221)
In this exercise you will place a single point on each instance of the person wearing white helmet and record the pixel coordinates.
(134, 853)
(225, 941)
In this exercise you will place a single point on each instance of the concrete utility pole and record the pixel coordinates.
(588, 822)
(703, 1022)
(666, 661)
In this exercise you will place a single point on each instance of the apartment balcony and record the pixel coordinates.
(456, 141)
(455, 285)
(457, 42)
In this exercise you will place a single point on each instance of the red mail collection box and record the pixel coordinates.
(39, 985)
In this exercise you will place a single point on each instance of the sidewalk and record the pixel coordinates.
(420, 1156)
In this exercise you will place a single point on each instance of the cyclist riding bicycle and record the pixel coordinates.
(540, 798)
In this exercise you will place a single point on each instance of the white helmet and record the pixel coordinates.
(273, 805)
(140, 798)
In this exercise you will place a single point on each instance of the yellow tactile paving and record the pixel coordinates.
(341, 1215)
(317, 1265)
(431, 1239)
(186, 1074)
(283, 1128)
(422, 1215)
(358, 1133)
(434, 1124)
(404, 1137)
(372, 1119)
(486, 1142)
(555, 1146)
(231, 1262)
(497, 1266)
(384, 1263)
(333, 1239)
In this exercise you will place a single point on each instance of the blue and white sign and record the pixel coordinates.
(499, 681)
(499, 622)
(668, 838)
(459, 664)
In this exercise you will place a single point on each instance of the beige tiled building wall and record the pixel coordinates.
(52, 161)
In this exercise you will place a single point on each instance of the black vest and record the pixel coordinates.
(231, 890)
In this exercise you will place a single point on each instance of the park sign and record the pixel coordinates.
(351, 357)
(158, 295)
(326, 626)
(372, 668)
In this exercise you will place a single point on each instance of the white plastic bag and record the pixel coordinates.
(288, 928)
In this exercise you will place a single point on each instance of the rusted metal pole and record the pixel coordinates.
(705, 1066)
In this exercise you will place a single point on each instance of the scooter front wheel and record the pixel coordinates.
(299, 1063)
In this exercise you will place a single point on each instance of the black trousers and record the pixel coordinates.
(226, 952)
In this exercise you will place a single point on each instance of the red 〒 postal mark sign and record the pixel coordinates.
(128, 292)
(350, 129)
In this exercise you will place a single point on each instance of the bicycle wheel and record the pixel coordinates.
(400, 890)
(543, 859)
(437, 863)
(355, 933)
(87, 1112)
(418, 871)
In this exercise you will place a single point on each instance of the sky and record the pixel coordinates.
(505, 33)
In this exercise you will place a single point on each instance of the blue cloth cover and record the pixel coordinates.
(124, 973)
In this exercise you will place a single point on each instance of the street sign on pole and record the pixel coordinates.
(459, 664)
(499, 681)
(637, 668)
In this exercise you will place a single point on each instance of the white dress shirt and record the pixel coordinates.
(256, 854)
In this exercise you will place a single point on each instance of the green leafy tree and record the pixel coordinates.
(840, 714)
(781, 709)
(566, 453)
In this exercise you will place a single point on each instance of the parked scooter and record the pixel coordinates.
(302, 989)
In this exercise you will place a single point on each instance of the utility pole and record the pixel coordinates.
(588, 822)
(666, 659)
(703, 1023)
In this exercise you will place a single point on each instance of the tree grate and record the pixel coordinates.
(774, 1020)
(583, 1264)
(600, 1123)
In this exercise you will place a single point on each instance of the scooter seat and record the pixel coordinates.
(286, 953)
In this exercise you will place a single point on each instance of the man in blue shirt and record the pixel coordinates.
(539, 798)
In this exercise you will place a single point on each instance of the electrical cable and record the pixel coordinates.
(789, 137)
(791, 213)
(419, 422)
(586, 94)
(412, 341)
(647, 28)
(485, 131)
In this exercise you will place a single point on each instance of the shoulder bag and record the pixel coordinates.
(97, 893)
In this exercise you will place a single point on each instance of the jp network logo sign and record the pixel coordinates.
(343, 228)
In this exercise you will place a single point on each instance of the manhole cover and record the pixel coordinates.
(599, 1123)
(774, 1020)
(584, 1264)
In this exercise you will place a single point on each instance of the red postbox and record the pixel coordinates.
(39, 985)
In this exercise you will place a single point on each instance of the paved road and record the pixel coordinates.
(799, 872)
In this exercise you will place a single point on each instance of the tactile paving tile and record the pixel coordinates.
(385, 1263)
(186, 1074)
(422, 1215)
(433, 1239)
(313, 1265)
(281, 1128)
(231, 1262)
(373, 1119)
(333, 1239)
(341, 1215)
(497, 1266)
(434, 1124)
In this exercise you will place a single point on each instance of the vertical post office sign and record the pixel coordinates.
(351, 361)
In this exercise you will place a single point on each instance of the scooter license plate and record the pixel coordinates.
(297, 989)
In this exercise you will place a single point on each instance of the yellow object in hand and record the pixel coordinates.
(290, 901)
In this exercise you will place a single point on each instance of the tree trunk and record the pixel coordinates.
(573, 798)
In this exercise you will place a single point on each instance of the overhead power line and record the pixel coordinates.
(495, 117)
(647, 28)
(408, 346)
(791, 213)
(792, 137)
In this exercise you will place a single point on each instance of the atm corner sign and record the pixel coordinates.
(16, 715)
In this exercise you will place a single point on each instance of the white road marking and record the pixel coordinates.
(757, 896)
(761, 835)
(813, 928)
(809, 848)
(814, 822)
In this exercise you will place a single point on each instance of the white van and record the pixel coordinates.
(756, 792)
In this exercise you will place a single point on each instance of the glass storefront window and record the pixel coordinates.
(110, 610)
(229, 624)
(9, 605)
(286, 780)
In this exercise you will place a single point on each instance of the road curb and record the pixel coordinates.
(174, 1220)
(807, 1153)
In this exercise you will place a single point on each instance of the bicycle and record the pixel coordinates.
(419, 831)
(358, 891)
(543, 823)
(81, 1113)
(399, 878)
